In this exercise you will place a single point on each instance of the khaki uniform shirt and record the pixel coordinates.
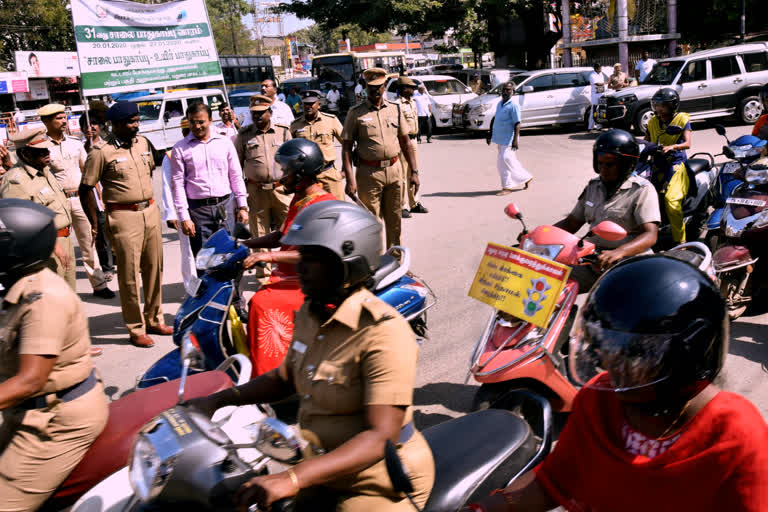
(67, 160)
(125, 172)
(256, 150)
(41, 315)
(365, 354)
(634, 204)
(322, 131)
(411, 114)
(376, 130)
(25, 182)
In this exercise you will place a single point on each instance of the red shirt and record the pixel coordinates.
(760, 126)
(719, 461)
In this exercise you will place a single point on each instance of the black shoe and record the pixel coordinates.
(429, 141)
(406, 214)
(104, 293)
(419, 208)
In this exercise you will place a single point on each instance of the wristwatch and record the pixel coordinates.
(414, 171)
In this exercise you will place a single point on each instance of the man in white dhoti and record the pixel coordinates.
(597, 84)
(506, 134)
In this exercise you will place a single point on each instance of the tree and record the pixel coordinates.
(719, 21)
(42, 25)
(229, 31)
(326, 40)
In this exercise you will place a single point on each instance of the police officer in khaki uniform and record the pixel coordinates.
(32, 180)
(406, 87)
(380, 131)
(256, 145)
(353, 363)
(123, 163)
(615, 195)
(67, 161)
(322, 129)
(52, 400)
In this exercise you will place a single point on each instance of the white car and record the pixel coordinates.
(443, 91)
(546, 97)
(241, 105)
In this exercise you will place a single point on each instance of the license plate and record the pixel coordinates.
(745, 202)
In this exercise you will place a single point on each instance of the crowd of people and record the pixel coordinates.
(651, 424)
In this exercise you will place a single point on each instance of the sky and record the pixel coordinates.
(290, 24)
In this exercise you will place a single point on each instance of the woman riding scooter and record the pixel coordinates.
(271, 309)
(618, 196)
(671, 131)
(649, 430)
(353, 363)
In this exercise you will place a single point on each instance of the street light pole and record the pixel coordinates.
(743, 20)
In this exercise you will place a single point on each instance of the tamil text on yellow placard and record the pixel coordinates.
(519, 283)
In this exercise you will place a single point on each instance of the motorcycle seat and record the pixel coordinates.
(491, 439)
(111, 450)
(697, 165)
(691, 257)
(388, 264)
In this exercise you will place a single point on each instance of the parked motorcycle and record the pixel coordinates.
(512, 354)
(127, 415)
(702, 173)
(178, 454)
(208, 310)
(745, 227)
(740, 152)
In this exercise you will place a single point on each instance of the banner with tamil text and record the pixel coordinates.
(519, 283)
(126, 46)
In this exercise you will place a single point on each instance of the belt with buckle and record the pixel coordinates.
(378, 163)
(208, 201)
(263, 185)
(329, 165)
(71, 192)
(65, 395)
(134, 207)
(63, 232)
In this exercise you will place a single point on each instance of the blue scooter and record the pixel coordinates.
(740, 152)
(209, 311)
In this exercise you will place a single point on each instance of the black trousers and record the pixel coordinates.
(425, 127)
(209, 219)
(103, 247)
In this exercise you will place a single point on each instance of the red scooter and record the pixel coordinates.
(513, 354)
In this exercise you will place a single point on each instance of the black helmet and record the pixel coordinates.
(620, 143)
(27, 235)
(300, 156)
(652, 322)
(666, 95)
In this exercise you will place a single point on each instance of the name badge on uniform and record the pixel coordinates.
(299, 347)
(252, 142)
(366, 119)
(121, 159)
(590, 203)
(43, 190)
(300, 130)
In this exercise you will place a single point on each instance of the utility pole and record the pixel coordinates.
(743, 20)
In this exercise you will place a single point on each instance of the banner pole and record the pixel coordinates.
(208, 19)
(83, 98)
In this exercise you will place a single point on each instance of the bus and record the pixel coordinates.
(246, 72)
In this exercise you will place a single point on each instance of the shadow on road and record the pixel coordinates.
(456, 397)
(472, 193)
(423, 420)
(748, 340)
(584, 136)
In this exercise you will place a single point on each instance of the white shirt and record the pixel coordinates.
(422, 104)
(281, 113)
(333, 98)
(227, 131)
(597, 83)
(281, 97)
(644, 67)
(19, 117)
(169, 212)
(358, 90)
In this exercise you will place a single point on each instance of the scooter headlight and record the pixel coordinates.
(545, 251)
(756, 176)
(148, 472)
(761, 221)
(208, 259)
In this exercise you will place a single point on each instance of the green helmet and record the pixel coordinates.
(347, 230)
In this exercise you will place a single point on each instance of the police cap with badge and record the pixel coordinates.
(310, 96)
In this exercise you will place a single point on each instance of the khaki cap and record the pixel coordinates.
(259, 102)
(36, 138)
(406, 81)
(97, 106)
(51, 109)
(375, 76)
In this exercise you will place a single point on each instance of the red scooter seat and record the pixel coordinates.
(127, 416)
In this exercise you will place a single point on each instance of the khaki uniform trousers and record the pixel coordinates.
(136, 240)
(265, 209)
(82, 228)
(410, 200)
(371, 489)
(39, 448)
(54, 263)
(380, 190)
(332, 182)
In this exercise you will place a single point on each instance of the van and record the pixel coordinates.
(160, 114)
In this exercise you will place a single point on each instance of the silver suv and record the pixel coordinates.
(711, 83)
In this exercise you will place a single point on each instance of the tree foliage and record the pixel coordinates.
(718, 21)
(326, 40)
(42, 25)
(231, 35)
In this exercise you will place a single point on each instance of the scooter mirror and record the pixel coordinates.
(720, 129)
(512, 211)
(728, 152)
(401, 482)
(190, 349)
(278, 441)
(241, 231)
(610, 231)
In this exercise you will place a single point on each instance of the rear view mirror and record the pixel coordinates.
(720, 129)
(241, 231)
(278, 441)
(512, 211)
(610, 231)
(526, 88)
(167, 117)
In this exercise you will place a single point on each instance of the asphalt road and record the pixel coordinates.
(459, 181)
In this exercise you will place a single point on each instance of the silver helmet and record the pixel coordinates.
(347, 230)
